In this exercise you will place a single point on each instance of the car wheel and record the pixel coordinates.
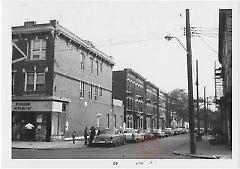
(124, 142)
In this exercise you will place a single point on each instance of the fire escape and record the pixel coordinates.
(218, 84)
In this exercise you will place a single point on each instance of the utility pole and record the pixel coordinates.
(198, 121)
(205, 111)
(190, 85)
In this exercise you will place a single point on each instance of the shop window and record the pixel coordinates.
(37, 49)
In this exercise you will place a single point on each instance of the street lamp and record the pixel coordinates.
(190, 83)
(168, 38)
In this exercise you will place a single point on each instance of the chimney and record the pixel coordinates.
(29, 23)
(54, 23)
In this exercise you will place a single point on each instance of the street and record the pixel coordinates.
(152, 149)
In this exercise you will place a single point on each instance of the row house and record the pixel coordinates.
(60, 83)
(140, 99)
(225, 59)
(128, 86)
(162, 110)
(152, 105)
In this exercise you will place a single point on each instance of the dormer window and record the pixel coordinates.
(37, 49)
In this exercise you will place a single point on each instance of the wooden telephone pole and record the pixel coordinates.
(190, 85)
(198, 121)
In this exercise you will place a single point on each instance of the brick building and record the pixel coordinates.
(140, 99)
(60, 83)
(152, 105)
(225, 59)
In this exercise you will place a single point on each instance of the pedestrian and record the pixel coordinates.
(85, 135)
(29, 127)
(92, 135)
(73, 137)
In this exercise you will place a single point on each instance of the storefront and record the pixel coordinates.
(48, 117)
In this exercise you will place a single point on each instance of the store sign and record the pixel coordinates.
(22, 106)
(36, 106)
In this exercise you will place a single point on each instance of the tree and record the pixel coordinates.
(179, 103)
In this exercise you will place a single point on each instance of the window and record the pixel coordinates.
(100, 92)
(82, 63)
(107, 120)
(101, 66)
(96, 94)
(90, 92)
(37, 49)
(91, 65)
(13, 82)
(115, 121)
(64, 107)
(81, 89)
(34, 81)
(97, 68)
(29, 82)
(40, 82)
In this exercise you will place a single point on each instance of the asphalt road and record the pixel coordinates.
(152, 149)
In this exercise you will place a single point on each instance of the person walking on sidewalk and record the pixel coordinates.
(85, 135)
(92, 135)
(73, 137)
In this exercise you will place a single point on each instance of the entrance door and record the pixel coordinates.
(41, 127)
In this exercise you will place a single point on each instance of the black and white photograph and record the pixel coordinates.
(116, 84)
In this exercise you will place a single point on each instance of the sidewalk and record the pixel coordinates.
(67, 144)
(205, 150)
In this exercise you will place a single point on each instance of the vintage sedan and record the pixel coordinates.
(158, 133)
(148, 134)
(168, 132)
(110, 136)
(133, 135)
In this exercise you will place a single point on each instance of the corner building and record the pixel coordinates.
(60, 83)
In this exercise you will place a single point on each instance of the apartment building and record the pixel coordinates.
(60, 83)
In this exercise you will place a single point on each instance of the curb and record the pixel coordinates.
(57, 148)
(196, 156)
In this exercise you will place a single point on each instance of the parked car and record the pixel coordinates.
(158, 133)
(149, 135)
(132, 135)
(110, 136)
(168, 132)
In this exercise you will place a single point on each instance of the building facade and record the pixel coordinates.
(60, 83)
(152, 105)
(162, 110)
(140, 99)
(225, 59)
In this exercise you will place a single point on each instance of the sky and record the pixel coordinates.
(133, 32)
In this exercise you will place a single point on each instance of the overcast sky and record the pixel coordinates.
(133, 34)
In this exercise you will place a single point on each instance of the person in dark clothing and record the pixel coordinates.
(92, 135)
(85, 135)
(73, 137)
